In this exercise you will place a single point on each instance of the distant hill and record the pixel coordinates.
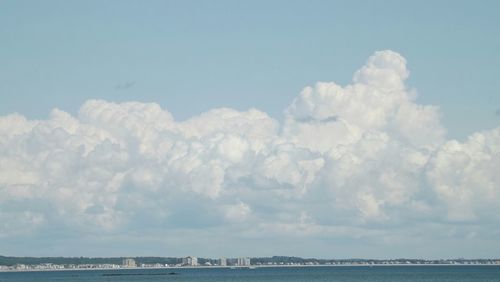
(9, 261)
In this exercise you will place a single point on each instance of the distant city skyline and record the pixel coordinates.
(78, 263)
(328, 129)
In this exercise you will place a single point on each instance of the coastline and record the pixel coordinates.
(236, 267)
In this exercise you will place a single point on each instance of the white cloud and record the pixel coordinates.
(465, 177)
(237, 212)
(345, 158)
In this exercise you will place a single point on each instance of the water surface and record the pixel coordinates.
(320, 273)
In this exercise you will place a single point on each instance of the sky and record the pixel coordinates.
(331, 129)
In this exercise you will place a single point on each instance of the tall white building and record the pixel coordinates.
(129, 262)
(222, 262)
(190, 261)
(244, 261)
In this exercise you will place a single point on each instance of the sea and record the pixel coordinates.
(317, 273)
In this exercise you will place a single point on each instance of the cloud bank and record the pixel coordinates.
(357, 161)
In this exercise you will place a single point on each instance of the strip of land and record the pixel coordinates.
(85, 263)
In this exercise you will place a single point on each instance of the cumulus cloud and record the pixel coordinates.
(353, 157)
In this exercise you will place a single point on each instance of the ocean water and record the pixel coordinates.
(327, 273)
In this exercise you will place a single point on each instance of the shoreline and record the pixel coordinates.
(234, 267)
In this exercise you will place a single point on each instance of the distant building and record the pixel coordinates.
(190, 261)
(129, 262)
(222, 262)
(243, 262)
(20, 266)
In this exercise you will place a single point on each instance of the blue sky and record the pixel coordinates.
(191, 56)
(220, 128)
